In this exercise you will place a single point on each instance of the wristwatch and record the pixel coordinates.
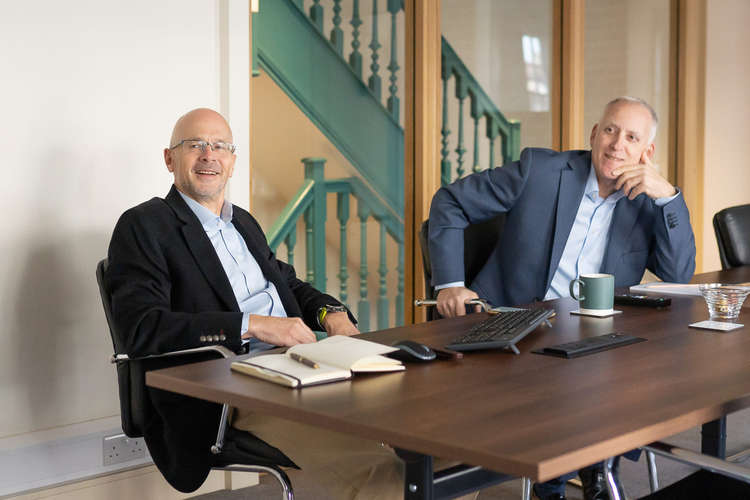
(329, 308)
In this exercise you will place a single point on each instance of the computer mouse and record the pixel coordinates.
(410, 350)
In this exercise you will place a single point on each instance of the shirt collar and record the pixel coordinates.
(209, 220)
(592, 188)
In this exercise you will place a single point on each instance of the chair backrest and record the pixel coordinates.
(479, 242)
(732, 228)
(131, 426)
(135, 403)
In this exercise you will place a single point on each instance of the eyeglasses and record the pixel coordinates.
(220, 147)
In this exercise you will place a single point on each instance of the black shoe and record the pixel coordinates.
(553, 496)
(594, 482)
(556, 496)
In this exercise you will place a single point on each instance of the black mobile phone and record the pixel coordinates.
(642, 300)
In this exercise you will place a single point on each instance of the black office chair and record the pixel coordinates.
(479, 242)
(732, 228)
(234, 450)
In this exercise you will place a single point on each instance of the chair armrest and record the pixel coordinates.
(707, 462)
(223, 351)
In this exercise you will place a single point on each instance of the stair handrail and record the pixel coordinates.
(286, 222)
(481, 105)
(310, 202)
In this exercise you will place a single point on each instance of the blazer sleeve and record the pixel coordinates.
(672, 257)
(140, 289)
(472, 199)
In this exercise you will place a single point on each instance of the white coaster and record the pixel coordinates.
(596, 314)
(716, 325)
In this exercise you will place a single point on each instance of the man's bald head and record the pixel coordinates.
(186, 123)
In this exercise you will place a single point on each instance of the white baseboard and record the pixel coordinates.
(58, 456)
(144, 483)
(55, 462)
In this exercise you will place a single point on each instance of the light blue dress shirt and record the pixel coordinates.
(587, 241)
(254, 293)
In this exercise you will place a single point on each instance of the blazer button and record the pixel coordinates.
(222, 337)
(216, 338)
(202, 338)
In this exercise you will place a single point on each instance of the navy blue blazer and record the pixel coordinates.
(540, 195)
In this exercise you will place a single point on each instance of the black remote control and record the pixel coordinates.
(642, 300)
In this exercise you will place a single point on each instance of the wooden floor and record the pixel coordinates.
(634, 475)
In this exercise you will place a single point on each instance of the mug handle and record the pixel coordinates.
(581, 284)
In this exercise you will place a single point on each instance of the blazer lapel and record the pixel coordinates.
(256, 243)
(623, 220)
(203, 251)
(572, 183)
(256, 247)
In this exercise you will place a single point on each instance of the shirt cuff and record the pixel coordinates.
(660, 202)
(245, 323)
(449, 285)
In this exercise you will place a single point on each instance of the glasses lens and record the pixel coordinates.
(196, 145)
(223, 147)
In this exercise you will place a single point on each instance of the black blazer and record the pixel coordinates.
(169, 291)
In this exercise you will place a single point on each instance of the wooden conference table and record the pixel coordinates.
(525, 415)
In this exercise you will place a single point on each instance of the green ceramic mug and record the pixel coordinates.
(596, 292)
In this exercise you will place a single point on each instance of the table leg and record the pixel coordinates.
(714, 438)
(418, 480)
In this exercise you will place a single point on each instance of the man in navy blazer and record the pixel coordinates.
(192, 270)
(607, 210)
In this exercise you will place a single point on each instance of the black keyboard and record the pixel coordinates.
(591, 345)
(501, 330)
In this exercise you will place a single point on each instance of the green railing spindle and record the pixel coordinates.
(290, 242)
(355, 58)
(316, 15)
(309, 262)
(337, 35)
(374, 81)
(363, 307)
(342, 212)
(475, 116)
(393, 103)
(492, 150)
(461, 93)
(383, 272)
(445, 163)
(314, 171)
(400, 294)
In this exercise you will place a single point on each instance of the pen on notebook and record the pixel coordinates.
(303, 360)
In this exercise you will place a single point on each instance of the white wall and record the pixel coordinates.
(89, 93)
(727, 176)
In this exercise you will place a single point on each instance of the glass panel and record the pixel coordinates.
(627, 53)
(507, 49)
(328, 97)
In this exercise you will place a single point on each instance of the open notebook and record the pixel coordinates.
(336, 358)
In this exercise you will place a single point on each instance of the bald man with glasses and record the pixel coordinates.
(191, 270)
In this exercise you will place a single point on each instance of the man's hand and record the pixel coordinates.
(279, 331)
(339, 324)
(643, 178)
(451, 301)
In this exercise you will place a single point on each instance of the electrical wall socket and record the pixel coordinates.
(120, 448)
